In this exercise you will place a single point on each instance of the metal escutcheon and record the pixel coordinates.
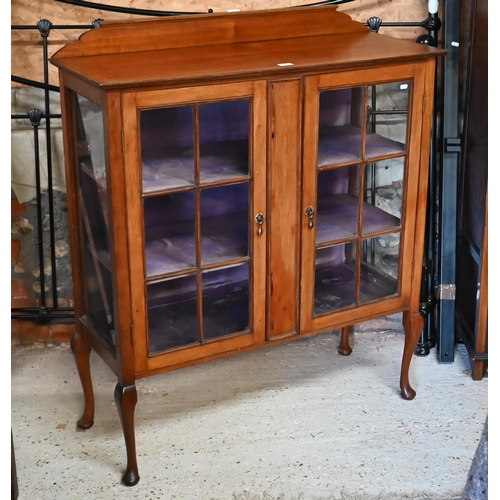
(259, 218)
(310, 213)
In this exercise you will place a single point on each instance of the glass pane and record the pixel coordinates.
(379, 266)
(167, 148)
(388, 117)
(225, 301)
(169, 223)
(224, 222)
(340, 120)
(94, 210)
(384, 183)
(90, 132)
(172, 313)
(335, 277)
(99, 294)
(94, 215)
(224, 133)
(337, 203)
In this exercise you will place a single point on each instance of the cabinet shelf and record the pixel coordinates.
(338, 218)
(172, 248)
(342, 144)
(218, 161)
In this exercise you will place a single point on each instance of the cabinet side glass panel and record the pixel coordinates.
(224, 146)
(167, 148)
(387, 119)
(340, 126)
(172, 313)
(170, 234)
(224, 222)
(93, 206)
(338, 191)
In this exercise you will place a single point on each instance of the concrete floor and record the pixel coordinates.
(288, 422)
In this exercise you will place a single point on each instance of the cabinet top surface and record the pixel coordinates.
(196, 48)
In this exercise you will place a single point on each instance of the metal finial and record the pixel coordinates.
(35, 115)
(374, 23)
(44, 27)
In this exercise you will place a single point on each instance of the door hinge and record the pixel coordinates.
(445, 292)
(123, 140)
(132, 334)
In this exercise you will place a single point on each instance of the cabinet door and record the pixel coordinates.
(195, 164)
(360, 177)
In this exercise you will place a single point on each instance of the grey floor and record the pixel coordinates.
(296, 421)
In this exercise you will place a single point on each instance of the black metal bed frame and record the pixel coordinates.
(439, 253)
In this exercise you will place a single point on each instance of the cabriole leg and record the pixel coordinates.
(344, 347)
(81, 353)
(413, 324)
(126, 399)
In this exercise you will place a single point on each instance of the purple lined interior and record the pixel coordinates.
(168, 144)
(338, 218)
(170, 228)
(335, 285)
(225, 301)
(376, 145)
(343, 144)
(339, 144)
(223, 160)
(173, 314)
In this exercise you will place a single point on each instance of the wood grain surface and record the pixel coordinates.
(27, 47)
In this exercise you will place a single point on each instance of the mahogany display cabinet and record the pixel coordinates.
(223, 188)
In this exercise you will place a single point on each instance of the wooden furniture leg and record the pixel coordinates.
(413, 324)
(344, 348)
(81, 353)
(126, 399)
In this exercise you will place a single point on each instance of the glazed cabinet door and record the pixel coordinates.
(360, 176)
(196, 197)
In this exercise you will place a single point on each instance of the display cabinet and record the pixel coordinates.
(227, 191)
